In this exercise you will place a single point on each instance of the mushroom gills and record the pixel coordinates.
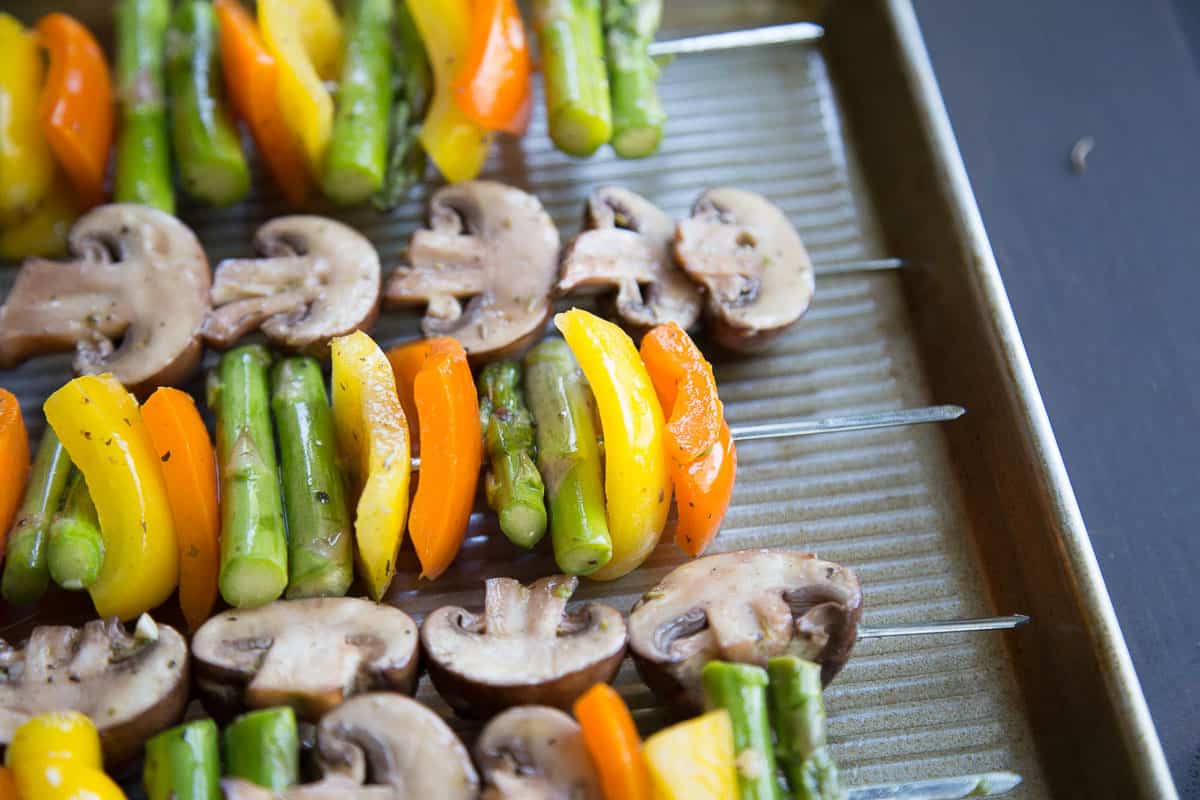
(536, 753)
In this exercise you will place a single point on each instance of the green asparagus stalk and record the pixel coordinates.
(638, 117)
(75, 548)
(569, 457)
(212, 167)
(741, 689)
(320, 558)
(264, 748)
(411, 86)
(358, 149)
(26, 574)
(577, 101)
(143, 171)
(798, 715)
(513, 485)
(183, 763)
(253, 546)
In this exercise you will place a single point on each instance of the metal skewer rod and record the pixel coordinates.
(731, 40)
(850, 267)
(988, 784)
(850, 422)
(943, 626)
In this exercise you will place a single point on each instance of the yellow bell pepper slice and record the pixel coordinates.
(457, 146)
(100, 426)
(43, 232)
(637, 487)
(55, 779)
(693, 760)
(374, 449)
(305, 37)
(57, 735)
(26, 161)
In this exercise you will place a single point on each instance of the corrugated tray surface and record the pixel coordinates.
(885, 503)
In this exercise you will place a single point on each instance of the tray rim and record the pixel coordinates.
(1112, 653)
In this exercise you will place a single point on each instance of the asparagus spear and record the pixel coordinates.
(211, 165)
(253, 545)
(75, 549)
(26, 574)
(513, 485)
(182, 763)
(569, 457)
(357, 160)
(264, 748)
(741, 689)
(314, 497)
(798, 714)
(143, 171)
(411, 81)
(577, 101)
(638, 117)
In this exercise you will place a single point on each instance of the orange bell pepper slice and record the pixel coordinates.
(700, 451)
(76, 106)
(448, 418)
(252, 78)
(8, 785)
(189, 467)
(492, 87)
(612, 741)
(14, 460)
(407, 360)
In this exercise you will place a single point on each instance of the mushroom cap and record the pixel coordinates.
(398, 742)
(536, 753)
(310, 654)
(131, 688)
(138, 276)
(746, 606)
(493, 244)
(627, 245)
(317, 279)
(749, 258)
(525, 649)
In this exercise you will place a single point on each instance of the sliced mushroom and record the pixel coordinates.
(131, 302)
(329, 789)
(536, 753)
(749, 258)
(490, 243)
(310, 654)
(525, 649)
(627, 245)
(317, 279)
(131, 687)
(393, 740)
(745, 606)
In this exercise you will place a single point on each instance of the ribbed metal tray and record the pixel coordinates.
(851, 140)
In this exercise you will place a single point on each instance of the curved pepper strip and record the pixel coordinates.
(700, 451)
(612, 741)
(56, 756)
(26, 162)
(637, 487)
(305, 38)
(448, 414)
(406, 361)
(14, 460)
(457, 144)
(76, 107)
(44, 231)
(252, 79)
(100, 426)
(492, 87)
(373, 446)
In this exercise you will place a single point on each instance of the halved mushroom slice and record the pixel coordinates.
(393, 740)
(490, 243)
(745, 606)
(524, 649)
(131, 686)
(536, 753)
(317, 279)
(749, 258)
(310, 654)
(132, 301)
(627, 245)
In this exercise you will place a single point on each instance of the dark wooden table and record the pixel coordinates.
(1103, 269)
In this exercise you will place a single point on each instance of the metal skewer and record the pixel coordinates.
(988, 784)
(731, 40)
(943, 626)
(848, 267)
